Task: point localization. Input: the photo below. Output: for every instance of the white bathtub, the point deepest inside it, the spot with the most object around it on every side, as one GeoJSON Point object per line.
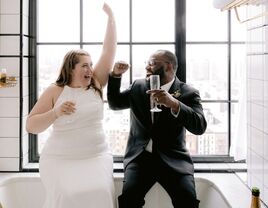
{"type": "Point", "coordinates": [24, 190]}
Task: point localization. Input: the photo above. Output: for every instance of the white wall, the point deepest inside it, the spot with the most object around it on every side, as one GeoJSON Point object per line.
{"type": "Point", "coordinates": [13, 103]}
{"type": "Point", "coordinates": [257, 100]}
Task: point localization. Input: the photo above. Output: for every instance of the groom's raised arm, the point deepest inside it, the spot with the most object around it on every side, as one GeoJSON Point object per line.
{"type": "Point", "coordinates": [117, 100]}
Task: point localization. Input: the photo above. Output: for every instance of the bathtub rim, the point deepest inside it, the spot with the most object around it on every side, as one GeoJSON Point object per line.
{"type": "Point", "coordinates": [217, 181]}
{"type": "Point", "coordinates": [215, 187]}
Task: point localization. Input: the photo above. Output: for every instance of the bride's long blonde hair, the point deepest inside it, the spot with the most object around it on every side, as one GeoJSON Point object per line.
{"type": "Point", "coordinates": [69, 62]}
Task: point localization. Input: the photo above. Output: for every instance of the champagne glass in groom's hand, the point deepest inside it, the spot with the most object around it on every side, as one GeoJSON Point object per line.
{"type": "Point", "coordinates": [155, 85]}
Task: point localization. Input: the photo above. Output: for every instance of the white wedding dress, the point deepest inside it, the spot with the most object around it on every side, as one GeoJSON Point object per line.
{"type": "Point", "coordinates": [76, 166]}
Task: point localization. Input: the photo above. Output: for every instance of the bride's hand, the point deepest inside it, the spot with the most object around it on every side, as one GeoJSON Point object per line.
{"type": "Point", "coordinates": [107, 9]}
{"type": "Point", "coordinates": [66, 108]}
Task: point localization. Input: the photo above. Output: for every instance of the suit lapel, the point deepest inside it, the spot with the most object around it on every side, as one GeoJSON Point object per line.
{"type": "Point", "coordinates": [175, 87]}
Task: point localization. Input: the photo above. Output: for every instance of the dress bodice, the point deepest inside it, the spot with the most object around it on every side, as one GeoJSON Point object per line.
{"type": "Point", "coordinates": [81, 133]}
{"type": "Point", "coordinates": [89, 109]}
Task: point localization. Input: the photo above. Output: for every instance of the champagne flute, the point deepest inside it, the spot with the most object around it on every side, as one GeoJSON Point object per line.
{"type": "Point", "coordinates": [155, 85]}
{"type": "Point", "coordinates": [72, 97]}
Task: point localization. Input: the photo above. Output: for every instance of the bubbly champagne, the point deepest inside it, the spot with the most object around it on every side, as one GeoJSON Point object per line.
{"type": "Point", "coordinates": [154, 82]}
{"type": "Point", "coordinates": [155, 85]}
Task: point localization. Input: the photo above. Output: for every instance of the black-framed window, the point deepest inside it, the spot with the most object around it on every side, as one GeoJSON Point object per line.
{"type": "Point", "coordinates": [206, 49]}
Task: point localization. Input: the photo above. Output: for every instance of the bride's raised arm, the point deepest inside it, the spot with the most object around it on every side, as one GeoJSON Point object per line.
{"type": "Point", "coordinates": [106, 60]}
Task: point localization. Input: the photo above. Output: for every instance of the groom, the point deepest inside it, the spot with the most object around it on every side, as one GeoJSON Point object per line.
{"type": "Point", "coordinates": [156, 150]}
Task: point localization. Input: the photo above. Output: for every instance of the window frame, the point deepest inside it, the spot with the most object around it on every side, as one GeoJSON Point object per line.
{"type": "Point", "coordinates": [180, 51]}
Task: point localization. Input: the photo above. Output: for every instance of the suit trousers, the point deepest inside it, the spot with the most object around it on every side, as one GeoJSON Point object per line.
{"type": "Point", "coordinates": [147, 169]}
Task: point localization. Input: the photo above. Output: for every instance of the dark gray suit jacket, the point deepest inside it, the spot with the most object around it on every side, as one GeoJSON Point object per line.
{"type": "Point", "coordinates": [167, 131]}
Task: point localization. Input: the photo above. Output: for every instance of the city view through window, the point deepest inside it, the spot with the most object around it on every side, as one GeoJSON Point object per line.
{"type": "Point", "coordinates": [208, 53]}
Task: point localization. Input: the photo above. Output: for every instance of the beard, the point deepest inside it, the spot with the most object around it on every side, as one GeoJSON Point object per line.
{"type": "Point", "coordinates": [160, 70]}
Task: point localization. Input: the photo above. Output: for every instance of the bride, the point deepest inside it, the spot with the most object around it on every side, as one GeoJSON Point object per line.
{"type": "Point", "coordinates": [76, 166]}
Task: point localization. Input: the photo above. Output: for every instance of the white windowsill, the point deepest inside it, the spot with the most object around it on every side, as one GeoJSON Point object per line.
{"type": "Point", "coordinates": [209, 167]}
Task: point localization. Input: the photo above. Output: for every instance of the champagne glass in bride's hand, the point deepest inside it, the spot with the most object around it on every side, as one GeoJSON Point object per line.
{"type": "Point", "coordinates": [71, 97]}
{"type": "Point", "coordinates": [155, 85]}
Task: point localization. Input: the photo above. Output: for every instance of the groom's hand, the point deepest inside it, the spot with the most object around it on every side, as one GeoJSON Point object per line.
{"type": "Point", "coordinates": [162, 97]}
{"type": "Point", "coordinates": [120, 67]}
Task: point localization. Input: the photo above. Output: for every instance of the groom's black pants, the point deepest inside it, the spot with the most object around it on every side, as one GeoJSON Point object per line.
{"type": "Point", "coordinates": [142, 173]}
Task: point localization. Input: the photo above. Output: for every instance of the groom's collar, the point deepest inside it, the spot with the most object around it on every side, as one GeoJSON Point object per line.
{"type": "Point", "coordinates": [167, 86]}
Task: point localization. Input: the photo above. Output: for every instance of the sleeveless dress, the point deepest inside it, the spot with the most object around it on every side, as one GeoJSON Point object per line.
{"type": "Point", "coordinates": [76, 166]}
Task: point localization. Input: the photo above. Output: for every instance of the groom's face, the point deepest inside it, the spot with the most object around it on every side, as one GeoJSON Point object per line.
{"type": "Point", "coordinates": [156, 65]}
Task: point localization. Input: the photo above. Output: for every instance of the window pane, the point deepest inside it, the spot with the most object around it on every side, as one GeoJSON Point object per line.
{"type": "Point", "coordinates": [122, 54]}
{"type": "Point", "coordinates": [207, 70]}
{"type": "Point", "coordinates": [238, 128]}
{"type": "Point", "coordinates": [95, 19]}
{"type": "Point", "coordinates": [204, 22]}
{"type": "Point", "coordinates": [141, 53]}
{"type": "Point", "coordinates": [238, 29]}
{"type": "Point", "coordinates": [215, 140]}
{"type": "Point", "coordinates": [50, 59]}
{"type": "Point", "coordinates": [116, 124]}
{"type": "Point", "coordinates": [58, 21]}
{"type": "Point", "coordinates": [234, 118]}
{"type": "Point", "coordinates": [153, 20]}
{"type": "Point", "coordinates": [238, 76]}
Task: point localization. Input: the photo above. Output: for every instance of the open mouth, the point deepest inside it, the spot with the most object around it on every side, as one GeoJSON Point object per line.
{"type": "Point", "coordinates": [87, 77]}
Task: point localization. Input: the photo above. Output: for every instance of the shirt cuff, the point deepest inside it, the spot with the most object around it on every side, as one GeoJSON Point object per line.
{"type": "Point", "coordinates": [115, 75]}
{"type": "Point", "coordinates": [175, 114]}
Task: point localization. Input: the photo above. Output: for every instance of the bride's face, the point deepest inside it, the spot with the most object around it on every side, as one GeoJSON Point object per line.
{"type": "Point", "coordinates": [82, 73]}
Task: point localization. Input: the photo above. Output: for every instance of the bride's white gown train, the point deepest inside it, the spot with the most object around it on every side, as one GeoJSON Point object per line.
{"type": "Point", "coordinates": [75, 164]}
